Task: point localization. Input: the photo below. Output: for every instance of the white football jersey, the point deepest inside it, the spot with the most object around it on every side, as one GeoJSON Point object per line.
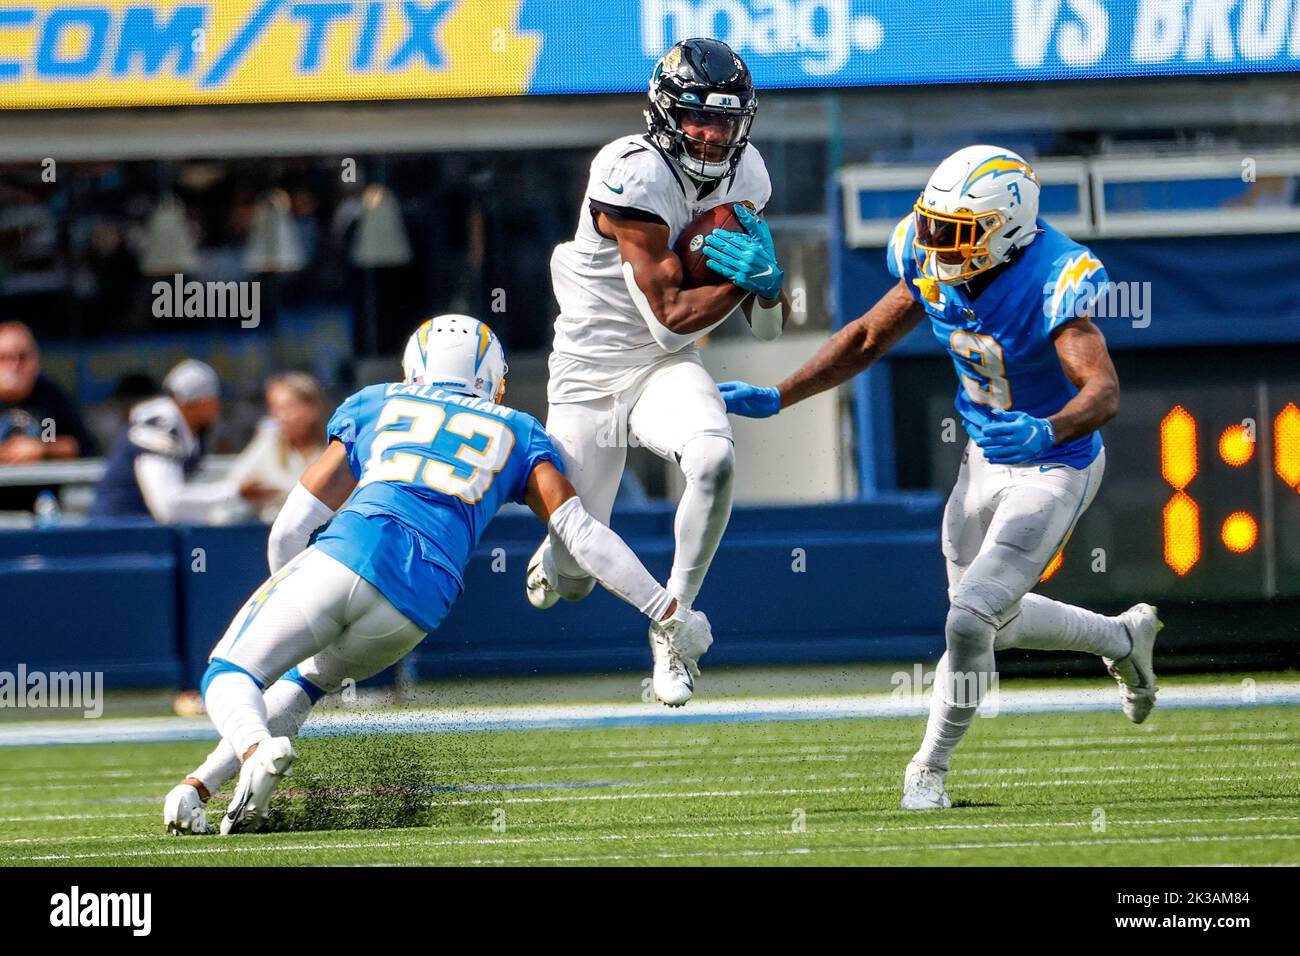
{"type": "Point", "coordinates": [598, 323]}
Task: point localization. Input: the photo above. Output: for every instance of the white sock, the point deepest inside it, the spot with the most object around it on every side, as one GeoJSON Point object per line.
{"type": "Point", "coordinates": [1048, 625]}
{"type": "Point", "coordinates": [702, 515]}
{"type": "Point", "coordinates": [287, 707]}
{"type": "Point", "coordinates": [947, 723]}
{"type": "Point", "coordinates": [235, 704]}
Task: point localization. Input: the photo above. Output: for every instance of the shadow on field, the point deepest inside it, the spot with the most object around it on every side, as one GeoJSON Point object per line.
{"type": "Point", "coordinates": [383, 781]}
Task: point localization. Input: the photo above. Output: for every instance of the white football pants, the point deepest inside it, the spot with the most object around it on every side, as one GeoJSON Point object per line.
{"type": "Point", "coordinates": [675, 410]}
{"type": "Point", "coordinates": [1002, 526]}
{"type": "Point", "coordinates": [317, 614]}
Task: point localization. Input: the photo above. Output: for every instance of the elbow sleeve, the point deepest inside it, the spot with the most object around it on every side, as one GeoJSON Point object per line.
{"type": "Point", "coordinates": [766, 322]}
{"type": "Point", "coordinates": [668, 340]}
{"type": "Point", "coordinates": [608, 559]}
{"type": "Point", "coordinates": [301, 515]}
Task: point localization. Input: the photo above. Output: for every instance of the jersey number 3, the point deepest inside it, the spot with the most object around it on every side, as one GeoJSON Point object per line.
{"type": "Point", "coordinates": [984, 357]}
{"type": "Point", "coordinates": [423, 423]}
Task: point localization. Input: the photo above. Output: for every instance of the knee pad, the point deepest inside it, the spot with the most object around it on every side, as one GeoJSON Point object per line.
{"type": "Point", "coordinates": [969, 635]}
{"type": "Point", "coordinates": [709, 461]}
{"type": "Point", "coordinates": [970, 657]}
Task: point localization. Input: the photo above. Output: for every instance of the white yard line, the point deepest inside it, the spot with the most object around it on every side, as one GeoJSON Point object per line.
{"type": "Point", "coordinates": [868, 848]}
{"type": "Point", "coordinates": [214, 847]}
{"type": "Point", "coordinates": [493, 794]}
{"type": "Point", "coordinates": [433, 775]}
{"type": "Point", "coordinates": [715, 834]}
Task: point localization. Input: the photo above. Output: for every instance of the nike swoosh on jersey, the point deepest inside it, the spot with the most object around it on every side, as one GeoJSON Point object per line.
{"type": "Point", "coordinates": [619, 190]}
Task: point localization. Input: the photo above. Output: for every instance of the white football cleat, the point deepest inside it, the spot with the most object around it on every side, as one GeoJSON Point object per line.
{"type": "Point", "coordinates": [923, 788]}
{"type": "Point", "coordinates": [262, 772]}
{"type": "Point", "coordinates": [540, 593]}
{"type": "Point", "coordinates": [677, 644]}
{"type": "Point", "coordinates": [184, 813]}
{"type": "Point", "coordinates": [1136, 673]}
{"type": "Point", "coordinates": [691, 635]}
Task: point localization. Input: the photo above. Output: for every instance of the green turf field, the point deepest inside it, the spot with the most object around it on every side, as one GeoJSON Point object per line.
{"type": "Point", "coordinates": [1195, 786]}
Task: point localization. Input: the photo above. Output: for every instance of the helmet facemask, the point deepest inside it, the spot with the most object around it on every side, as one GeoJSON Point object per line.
{"type": "Point", "coordinates": [955, 245]}
{"type": "Point", "coordinates": [706, 141]}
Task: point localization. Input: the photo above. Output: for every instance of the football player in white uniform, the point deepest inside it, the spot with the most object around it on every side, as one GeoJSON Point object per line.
{"type": "Point", "coordinates": [1009, 297]}
{"type": "Point", "coordinates": [625, 366]}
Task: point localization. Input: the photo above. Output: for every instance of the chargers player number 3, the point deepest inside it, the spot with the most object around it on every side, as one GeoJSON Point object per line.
{"type": "Point", "coordinates": [983, 354]}
{"type": "Point", "coordinates": [424, 422]}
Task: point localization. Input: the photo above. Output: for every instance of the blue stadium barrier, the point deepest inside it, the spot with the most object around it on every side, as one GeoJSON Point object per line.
{"type": "Point", "coordinates": [871, 588]}
{"type": "Point", "coordinates": [825, 583]}
{"type": "Point", "coordinates": [91, 599]}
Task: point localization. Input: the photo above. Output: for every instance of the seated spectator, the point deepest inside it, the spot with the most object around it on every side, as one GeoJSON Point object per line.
{"type": "Point", "coordinates": [109, 418]}
{"type": "Point", "coordinates": [150, 471]}
{"type": "Point", "coordinates": [289, 439]}
{"type": "Point", "coordinates": [38, 422]}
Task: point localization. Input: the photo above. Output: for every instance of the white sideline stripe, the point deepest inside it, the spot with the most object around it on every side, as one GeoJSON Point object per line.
{"type": "Point", "coordinates": [1009, 702]}
{"type": "Point", "coordinates": [514, 841]}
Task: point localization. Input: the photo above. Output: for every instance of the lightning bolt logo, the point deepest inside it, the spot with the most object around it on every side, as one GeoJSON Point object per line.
{"type": "Point", "coordinates": [997, 166]}
{"type": "Point", "coordinates": [1075, 271]}
{"type": "Point", "coordinates": [258, 600]}
{"type": "Point", "coordinates": [484, 341]}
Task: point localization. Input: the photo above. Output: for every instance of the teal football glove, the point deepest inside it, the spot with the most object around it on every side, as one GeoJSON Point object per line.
{"type": "Point", "coordinates": [750, 401]}
{"type": "Point", "coordinates": [748, 259]}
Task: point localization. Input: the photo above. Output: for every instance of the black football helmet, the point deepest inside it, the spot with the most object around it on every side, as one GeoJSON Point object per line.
{"type": "Point", "coordinates": [702, 103]}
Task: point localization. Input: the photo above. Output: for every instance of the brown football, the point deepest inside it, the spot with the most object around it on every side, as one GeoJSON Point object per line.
{"type": "Point", "coordinates": [689, 246]}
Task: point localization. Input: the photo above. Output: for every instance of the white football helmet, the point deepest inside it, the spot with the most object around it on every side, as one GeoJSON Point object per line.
{"type": "Point", "coordinates": [980, 205]}
{"type": "Point", "coordinates": [458, 353]}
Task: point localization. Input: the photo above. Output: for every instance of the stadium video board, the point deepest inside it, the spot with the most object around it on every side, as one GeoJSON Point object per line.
{"type": "Point", "coordinates": [1201, 493]}
{"type": "Point", "coordinates": [58, 53]}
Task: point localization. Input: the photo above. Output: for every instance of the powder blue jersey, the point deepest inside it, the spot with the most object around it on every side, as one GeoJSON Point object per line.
{"type": "Point", "coordinates": [1001, 343]}
{"type": "Point", "coordinates": [433, 468]}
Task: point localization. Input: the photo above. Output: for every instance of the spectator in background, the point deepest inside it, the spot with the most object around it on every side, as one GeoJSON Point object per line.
{"type": "Point", "coordinates": [109, 419]}
{"type": "Point", "coordinates": [287, 441]}
{"type": "Point", "coordinates": [151, 468]}
{"type": "Point", "coordinates": [38, 421]}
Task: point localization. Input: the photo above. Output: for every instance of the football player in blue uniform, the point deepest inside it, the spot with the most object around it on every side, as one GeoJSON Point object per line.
{"type": "Point", "coordinates": [412, 474]}
{"type": "Point", "coordinates": [1009, 298]}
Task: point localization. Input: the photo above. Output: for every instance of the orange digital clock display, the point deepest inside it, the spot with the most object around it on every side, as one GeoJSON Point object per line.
{"type": "Point", "coordinates": [1180, 465]}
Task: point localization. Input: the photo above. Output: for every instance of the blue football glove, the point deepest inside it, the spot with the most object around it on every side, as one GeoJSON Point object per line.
{"type": "Point", "coordinates": [1015, 437]}
{"type": "Point", "coordinates": [748, 259]}
{"type": "Point", "coordinates": [751, 401]}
